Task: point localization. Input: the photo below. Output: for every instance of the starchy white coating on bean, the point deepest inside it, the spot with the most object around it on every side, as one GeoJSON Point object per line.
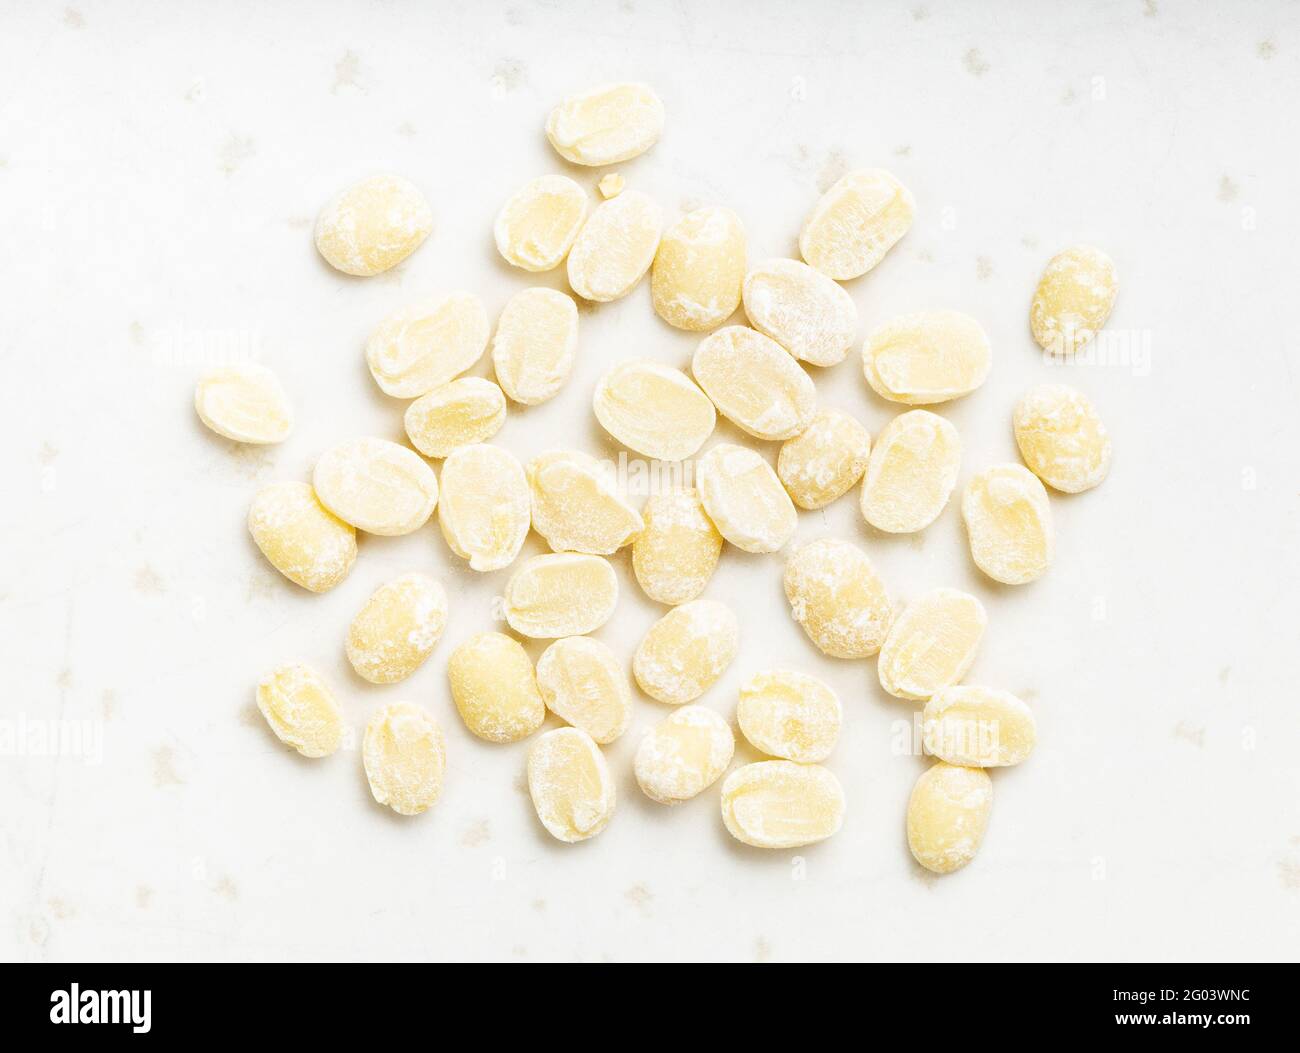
{"type": "Point", "coordinates": [484, 507]}
{"type": "Point", "coordinates": [570, 784]}
{"type": "Point", "coordinates": [537, 226]}
{"type": "Point", "coordinates": [466, 411]}
{"type": "Point", "coordinates": [300, 537]}
{"type": "Point", "coordinates": [931, 644]}
{"type": "Point", "coordinates": [405, 758]}
{"type": "Point", "coordinates": [911, 473]}
{"type": "Point", "coordinates": [654, 410]}
{"type": "Point", "coordinates": [856, 222]}
{"type": "Point", "coordinates": [1073, 299]}
{"type": "Point", "coordinates": [615, 247]}
{"type": "Point", "coordinates": [495, 689]}
{"type": "Point", "coordinates": [577, 506]}
{"type": "Point", "coordinates": [425, 344]}
{"type": "Point", "coordinates": [565, 594]}
{"type": "Point", "coordinates": [824, 460]}
{"type": "Point", "coordinates": [684, 652]}
{"type": "Point", "coordinates": [838, 598]}
{"type": "Point", "coordinates": [802, 310]}
{"type": "Point", "coordinates": [947, 815]}
{"type": "Point", "coordinates": [1062, 438]}
{"type": "Point", "coordinates": [754, 383]}
{"type": "Point", "coordinates": [683, 754]}
{"type": "Point", "coordinates": [245, 402]}
{"type": "Point", "coordinates": [301, 710]}
{"type": "Point", "coordinates": [397, 629]}
{"type": "Point", "coordinates": [780, 804]}
{"type": "Point", "coordinates": [535, 344]}
{"type": "Point", "coordinates": [606, 124]}
{"type": "Point", "coordinates": [584, 683]}
{"type": "Point", "coordinates": [699, 268]}
{"type": "Point", "coordinates": [745, 499]}
{"type": "Point", "coordinates": [674, 557]}
{"type": "Point", "coordinates": [1009, 524]}
{"type": "Point", "coordinates": [373, 225]}
{"type": "Point", "coordinates": [927, 357]}
{"type": "Point", "coordinates": [376, 485]}
{"type": "Point", "coordinates": [979, 727]}
{"type": "Point", "coordinates": [789, 715]}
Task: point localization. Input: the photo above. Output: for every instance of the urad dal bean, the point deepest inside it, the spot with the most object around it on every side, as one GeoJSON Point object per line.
{"type": "Point", "coordinates": [606, 124]}
{"type": "Point", "coordinates": [838, 598]}
{"type": "Point", "coordinates": [927, 357]}
{"type": "Point", "coordinates": [654, 410]}
{"type": "Point", "coordinates": [684, 754]}
{"type": "Point", "coordinates": [565, 594]}
{"type": "Point", "coordinates": [674, 557]}
{"type": "Point", "coordinates": [947, 815]}
{"type": "Point", "coordinates": [570, 784]}
{"type": "Point", "coordinates": [1061, 438]}
{"type": "Point", "coordinates": [427, 343]}
{"type": "Point", "coordinates": [856, 222]}
{"type": "Point", "coordinates": [301, 710]}
{"type": "Point", "coordinates": [615, 247]}
{"type": "Point", "coordinates": [698, 269]}
{"type": "Point", "coordinates": [376, 485]}
{"type": "Point", "coordinates": [577, 506]}
{"type": "Point", "coordinates": [825, 460]}
{"type": "Point", "coordinates": [745, 499]}
{"type": "Point", "coordinates": [911, 473]}
{"type": "Point", "coordinates": [484, 507]}
{"type": "Point", "coordinates": [802, 310]}
{"type": "Point", "coordinates": [1009, 524]}
{"type": "Point", "coordinates": [373, 225]}
{"type": "Point", "coordinates": [789, 715]}
{"type": "Point", "coordinates": [397, 629]}
{"type": "Point", "coordinates": [466, 411]}
{"type": "Point", "coordinates": [405, 757]}
{"type": "Point", "coordinates": [684, 652]}
{"type": "Point", "coordinates": [495, 689]}
{"type": "Point", "coordinates": [754, 383]}
{"type": "Point", "coordinates": [535, 343]}
{"type": "Point", "coordinates": [1073, 299]}
{"type": "Point", "coordinates": [584, 683]}
{"type": "Point", "coordinates": [931, 644]}
{"type": "Point", "coordinates": [537, 226]}
{"type": "Point", "coordinates": [300, 537]}
{"type": "Point", "coordinates": [780, 804]}
{"type": "Point", "coordinates": [978, 727]}
{"type": "Point", "coordinates": [245, 402]}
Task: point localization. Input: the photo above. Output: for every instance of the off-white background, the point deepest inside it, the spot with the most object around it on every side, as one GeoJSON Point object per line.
{"type": "Point", "coordinates": [160, 169]}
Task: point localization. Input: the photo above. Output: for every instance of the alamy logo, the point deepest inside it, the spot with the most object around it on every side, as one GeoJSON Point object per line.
{"type": "Point", "coordinates": [101, 1007]}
